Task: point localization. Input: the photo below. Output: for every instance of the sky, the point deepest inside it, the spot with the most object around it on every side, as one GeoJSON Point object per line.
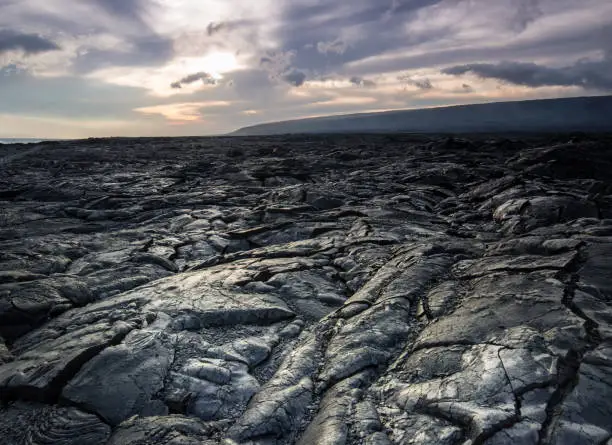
{"type": "Point", "coordinates": [92, 68]}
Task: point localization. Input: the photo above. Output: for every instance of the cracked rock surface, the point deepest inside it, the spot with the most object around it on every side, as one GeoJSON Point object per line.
{"type": "Point", "coordinates": [334, 290]}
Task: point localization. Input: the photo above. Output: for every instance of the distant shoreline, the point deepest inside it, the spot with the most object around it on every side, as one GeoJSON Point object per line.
{"type": "Point", "coordinates": [22, 140]}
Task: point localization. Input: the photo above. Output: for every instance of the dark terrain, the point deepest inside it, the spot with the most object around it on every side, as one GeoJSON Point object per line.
{"type": "Point", "coordinates": [328, 290]}
{"type": "Point", "coordinates": [590, 114]}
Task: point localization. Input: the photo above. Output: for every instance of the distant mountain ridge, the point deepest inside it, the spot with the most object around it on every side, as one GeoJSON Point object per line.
{"type": "Point", "coordinates": [545, 115]}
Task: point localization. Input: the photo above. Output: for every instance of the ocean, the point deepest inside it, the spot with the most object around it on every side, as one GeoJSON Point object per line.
{"type": "Point", "coordinates": [19, 141]}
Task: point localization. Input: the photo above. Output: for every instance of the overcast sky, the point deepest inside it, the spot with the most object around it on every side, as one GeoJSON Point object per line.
{"type": "Point", "coordinates": [79, 68]}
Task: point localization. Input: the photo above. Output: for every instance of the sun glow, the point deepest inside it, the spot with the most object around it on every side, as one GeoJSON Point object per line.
{"type": "Point", "coordinates": [215, 64]}
{"type": "Point", "coordinates": [183, 112]}
{"type": "Point", "coordinates": [159, 80]}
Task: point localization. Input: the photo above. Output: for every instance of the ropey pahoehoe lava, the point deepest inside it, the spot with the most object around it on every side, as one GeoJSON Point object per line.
{"type": "Point", "coordinates": [339, 289]}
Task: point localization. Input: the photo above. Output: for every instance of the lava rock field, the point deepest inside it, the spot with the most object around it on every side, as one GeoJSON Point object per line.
{"type": "Point", "coordinates": [310, 290]}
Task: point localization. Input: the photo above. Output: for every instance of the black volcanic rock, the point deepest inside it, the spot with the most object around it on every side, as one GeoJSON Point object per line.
{"type": "Point", "coordinates": [369, 290]}
{"type": "Point", "coordinates": [25, 423]}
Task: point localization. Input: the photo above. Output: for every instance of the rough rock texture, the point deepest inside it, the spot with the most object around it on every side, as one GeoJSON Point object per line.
{"type": "Point", "coordinates": [370, 290]}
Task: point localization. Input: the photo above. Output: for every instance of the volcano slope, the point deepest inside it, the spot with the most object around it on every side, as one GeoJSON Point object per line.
{"type": "Point", "coordinates": [328, 290]}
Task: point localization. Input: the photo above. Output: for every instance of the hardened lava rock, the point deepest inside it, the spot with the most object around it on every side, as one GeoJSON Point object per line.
{"type": "Point", "coordinates": [333, 290]}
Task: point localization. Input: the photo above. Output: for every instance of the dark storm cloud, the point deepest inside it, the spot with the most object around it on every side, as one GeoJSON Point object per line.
{"type": "Point", "coordinates": [570, 41]}
{"type": "Point", "coordinates": [279, 66]}
{"type": "Point", "coordinates": [294, 77]}
{"type": "Point", "coordinates": [28, 43]}
{"type": "Point", "coordinates": [314, 30]}
{"type": "Point", "coordinates": [143, 46]}
{"type": "Point", "coordinates": [206, 79]}
{"type": "Point", "coordinates": [126, 20]}
{"type": "Point", "coordinates": [329, 16]}
{"type": "Point", "coordinates": [421, 84]}
{"type": "Point", "coordinates": [320, 33]}
{"type": "Point", "coordinates": [585, 74]}
{"type": "Point", "coordinates": [360, 81]}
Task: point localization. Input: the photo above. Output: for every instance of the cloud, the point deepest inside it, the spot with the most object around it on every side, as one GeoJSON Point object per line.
{"type": "Point", "coordinates": [421, 84]}
{"type": "Point", "coordinates": [277, 61]}
{"type": "Point", "coordinates": [86, 35]}
{"type": "Point", "coordinates": [360, 81]}
{"type": "Point", "coordinates": [279, 65]}
{"type": "Point", "coordinates": [206, 79]}
{"type": "Point", "coordinates": [348, 31]}
{"type": "Point", "coordinates": [468, 31]}
{"type": "Point", "coordinates": [424, 84]}
{"type": "Point", "coordinates": [586, 74]}
{"type": "Point", "coordinates": [288, 58]}
{"type": "Point", "coordinates": [294, 77]}
{"type": "Point", "coordinates": [214, 28]}
{"type": "Point", "coordinates": [132, 9]}
{"type": "Point", "coordinates": [336, 47]}
{"type": "Point", "coordinates": [527, 12]}
{"type": "Point", "coordinates": [28, 43]}
{"type": "Point", "coordinates": [388, 15]}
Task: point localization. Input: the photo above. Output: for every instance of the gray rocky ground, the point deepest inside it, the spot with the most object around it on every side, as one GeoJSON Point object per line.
{"type": "Point", "coordinates": [369, 290]}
